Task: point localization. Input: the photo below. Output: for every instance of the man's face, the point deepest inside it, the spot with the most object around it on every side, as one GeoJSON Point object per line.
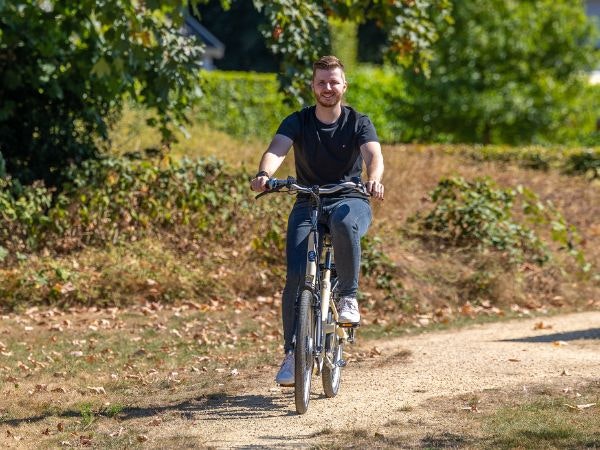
{"type": "Point", "coordinates": [329, 86]}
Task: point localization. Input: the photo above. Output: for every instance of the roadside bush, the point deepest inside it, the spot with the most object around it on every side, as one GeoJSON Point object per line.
{"type": "Point", "coordinates": [115, 200]}
{"type": "Point", "coordinates": [478, 214]}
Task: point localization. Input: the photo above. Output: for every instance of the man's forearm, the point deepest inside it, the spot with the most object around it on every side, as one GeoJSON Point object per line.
{"type": "Point", "coordinates": [270, 163]}
{"type": "Point", "coordinates": [375, 168]}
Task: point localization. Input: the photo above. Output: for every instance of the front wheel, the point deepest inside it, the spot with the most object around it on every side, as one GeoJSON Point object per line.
{"type": "Point", "coordinates": [304, 351]}
{"type": "Point", "coordinates": [332, 376]}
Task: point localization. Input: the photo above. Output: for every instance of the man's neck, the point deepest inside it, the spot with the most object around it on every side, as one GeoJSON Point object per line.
{"type": "Point", "coordinates": [328, 115]}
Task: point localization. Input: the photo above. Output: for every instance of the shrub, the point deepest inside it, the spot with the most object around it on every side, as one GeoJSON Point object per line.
{"type": "Point", "coordinates": [115, 200]}
{"type": "Point", "coordinates": [242, 104]}
{"type": "Point", "coordinates": [508, 72]}
{"type": "Point", "coordinates": [249, 104]}
{"type": "Point", "coordinates": [478, 214]}
{"type": "Point", "coordinates": [65, 68]}
{"type": "Point", "coordinates": [381, 94]}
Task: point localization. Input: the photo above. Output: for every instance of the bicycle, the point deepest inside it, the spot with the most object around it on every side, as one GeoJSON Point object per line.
{"type": "Point", "coordinates": [319, 337]}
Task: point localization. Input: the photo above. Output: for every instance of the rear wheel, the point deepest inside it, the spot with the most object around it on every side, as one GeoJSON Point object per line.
{"type": "Point", "coordinates": [332, 376]}
{"type": "Point", "coordinates": [304, 351]}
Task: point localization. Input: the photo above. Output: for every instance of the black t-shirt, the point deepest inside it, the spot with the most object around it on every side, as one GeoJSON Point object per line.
{"type": "Point", "coordinates": [328, 153]}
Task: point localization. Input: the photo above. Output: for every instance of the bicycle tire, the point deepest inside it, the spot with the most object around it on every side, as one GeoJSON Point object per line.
{"type": "Point", "coordinates": [332, 377]}
{"type": "Point", "coordinates": [303, 358]}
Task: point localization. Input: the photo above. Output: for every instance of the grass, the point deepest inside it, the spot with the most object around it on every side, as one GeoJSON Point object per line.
{"type": "Point", "coordinates": [84, 373]}
{"type": "Point", "coordinates": [157, 325]}
{"type": "Point", "coordinates": [545, 418]}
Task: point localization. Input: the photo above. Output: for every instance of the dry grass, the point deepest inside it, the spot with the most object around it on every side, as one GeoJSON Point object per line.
{"type": "Point", "coordinates": [539, 417]}
{"type": "Point", "coordinates": [152, 359]}
{"type": "Point", "coordinates": [79, 375]}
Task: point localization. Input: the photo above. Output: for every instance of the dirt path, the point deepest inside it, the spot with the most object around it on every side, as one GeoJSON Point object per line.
{"type": "Point", "coordinates": [410, 371]}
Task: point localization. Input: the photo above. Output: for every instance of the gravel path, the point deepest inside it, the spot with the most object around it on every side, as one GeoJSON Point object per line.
{"type": "Point", "coordinates": [410, 371]}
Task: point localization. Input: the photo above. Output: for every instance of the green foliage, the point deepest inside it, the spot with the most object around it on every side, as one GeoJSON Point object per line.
{"type": "Point", "coordinates": [248, 104]}
{"type": "Point", "coordinates": [478, 214]}
{"type": "Point", "coordinates": [118, 200]}
{"type": "Point", "coordinates": [585, 162]}
{"type": "Point", "coordinates": [87, 415]}
{"type": "Point", "coordinates": [251, 105]}
{"type": "Point", "coordinates": [376, 264]}
{"type": "Point", "coordinates": [508, 72]}
{"type": "Point", "coordinates": [298, 32]}
{"type": "Point", "coordinates": [65, 68]}
{"type": "Point", "coordinates": [344, 42]}
{"type": "Point", "coordinates": [381, 94]}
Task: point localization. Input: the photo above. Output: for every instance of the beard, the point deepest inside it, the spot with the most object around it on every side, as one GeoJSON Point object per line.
{"type": "Point", "coordinates": [328, 102]}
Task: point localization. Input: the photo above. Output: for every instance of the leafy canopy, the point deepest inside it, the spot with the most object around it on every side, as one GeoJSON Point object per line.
{"type": "Point", "coordinates": [67, 67]}
{"type": "Point", "coordinates": [298, 30]}
{"type": "Point", "coordinates": [508, 71]}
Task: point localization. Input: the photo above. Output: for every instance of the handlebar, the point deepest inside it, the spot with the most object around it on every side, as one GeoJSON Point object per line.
{"type": "Point", "coordinates": [290, 185]}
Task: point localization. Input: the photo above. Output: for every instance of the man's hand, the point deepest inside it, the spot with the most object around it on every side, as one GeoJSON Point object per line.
{"type": "Point", "coordinates": [375, 188]}
{"type": "Point", "coordinates": [258, 184]}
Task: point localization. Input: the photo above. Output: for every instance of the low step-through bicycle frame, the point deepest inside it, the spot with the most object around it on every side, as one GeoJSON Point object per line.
{"type": "Point", "coordinates": [322, 288]}
{"type": "Point", "coordinates": [322, 338]}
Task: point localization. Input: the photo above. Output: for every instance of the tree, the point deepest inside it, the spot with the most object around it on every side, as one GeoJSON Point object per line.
{"type": "Point", "coordinates": [66, 68]}
{"type": "Point", "coordinates": [507, 71]}
{"type": "Point", "coordinates": [298, 31]}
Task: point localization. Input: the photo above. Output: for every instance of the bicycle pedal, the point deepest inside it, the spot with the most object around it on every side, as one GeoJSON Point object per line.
{"type": "Point", "coordinates": [348, 324]}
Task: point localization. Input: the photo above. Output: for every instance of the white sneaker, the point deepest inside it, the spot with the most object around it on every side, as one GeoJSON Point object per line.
{"type": "Point", "coordinates": [348, 310]}
{"type": "Point", "coordinates": [285, 376]}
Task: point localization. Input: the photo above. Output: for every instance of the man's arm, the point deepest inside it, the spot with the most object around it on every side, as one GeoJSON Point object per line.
{"type": "Point", "coordinates": [371, 153]}
{"type": "Point", "coordinates": [271, 160]}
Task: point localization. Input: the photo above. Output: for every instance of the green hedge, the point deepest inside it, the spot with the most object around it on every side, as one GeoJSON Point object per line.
{"type": "Point", "coordinates": [246, 104]}
{"type": "Point", "coordinates": [380, 93]}
{"type": "Point", "coordinates": [242, 104]}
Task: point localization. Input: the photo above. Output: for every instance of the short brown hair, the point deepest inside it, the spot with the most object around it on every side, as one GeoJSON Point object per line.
{"type": "Point", "coordinates": [327, 63]}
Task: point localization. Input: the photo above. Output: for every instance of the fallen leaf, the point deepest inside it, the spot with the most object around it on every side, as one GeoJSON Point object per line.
{"type": "Point", "coordinates": [586, 406]}
{"type": "Point", "coordinates": [514, 360]}
{"type": "Point", "coordinates": [541, 326]}
{"type": "Point", "coordinates": [559, 343]}
{"type": "Point", "coordinates": [155, 422]}
{"type": "Point", "coordinates": [96, 389]}
{"type": "Point", "coordinates": [375, 351]}
{"type": "Point", "coordinates": [142, 438]}
{"type": "Point", "coordinates": [117, 433]}
{"type": "Point", "coordinates": [60, 426]}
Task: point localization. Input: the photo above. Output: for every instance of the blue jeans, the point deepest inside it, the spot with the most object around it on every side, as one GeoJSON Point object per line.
{"type": "Point", "coordinates": [348, 219]}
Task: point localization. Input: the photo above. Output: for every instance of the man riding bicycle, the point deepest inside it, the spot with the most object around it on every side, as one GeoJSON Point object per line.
{"type": "Point", "coordinates": [330, 142]}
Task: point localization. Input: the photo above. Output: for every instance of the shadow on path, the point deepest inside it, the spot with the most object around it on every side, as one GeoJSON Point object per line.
{"type": "Point", "coordinates": [592, 333]}
{"type": "Point", "coordinates": [219, 406]}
